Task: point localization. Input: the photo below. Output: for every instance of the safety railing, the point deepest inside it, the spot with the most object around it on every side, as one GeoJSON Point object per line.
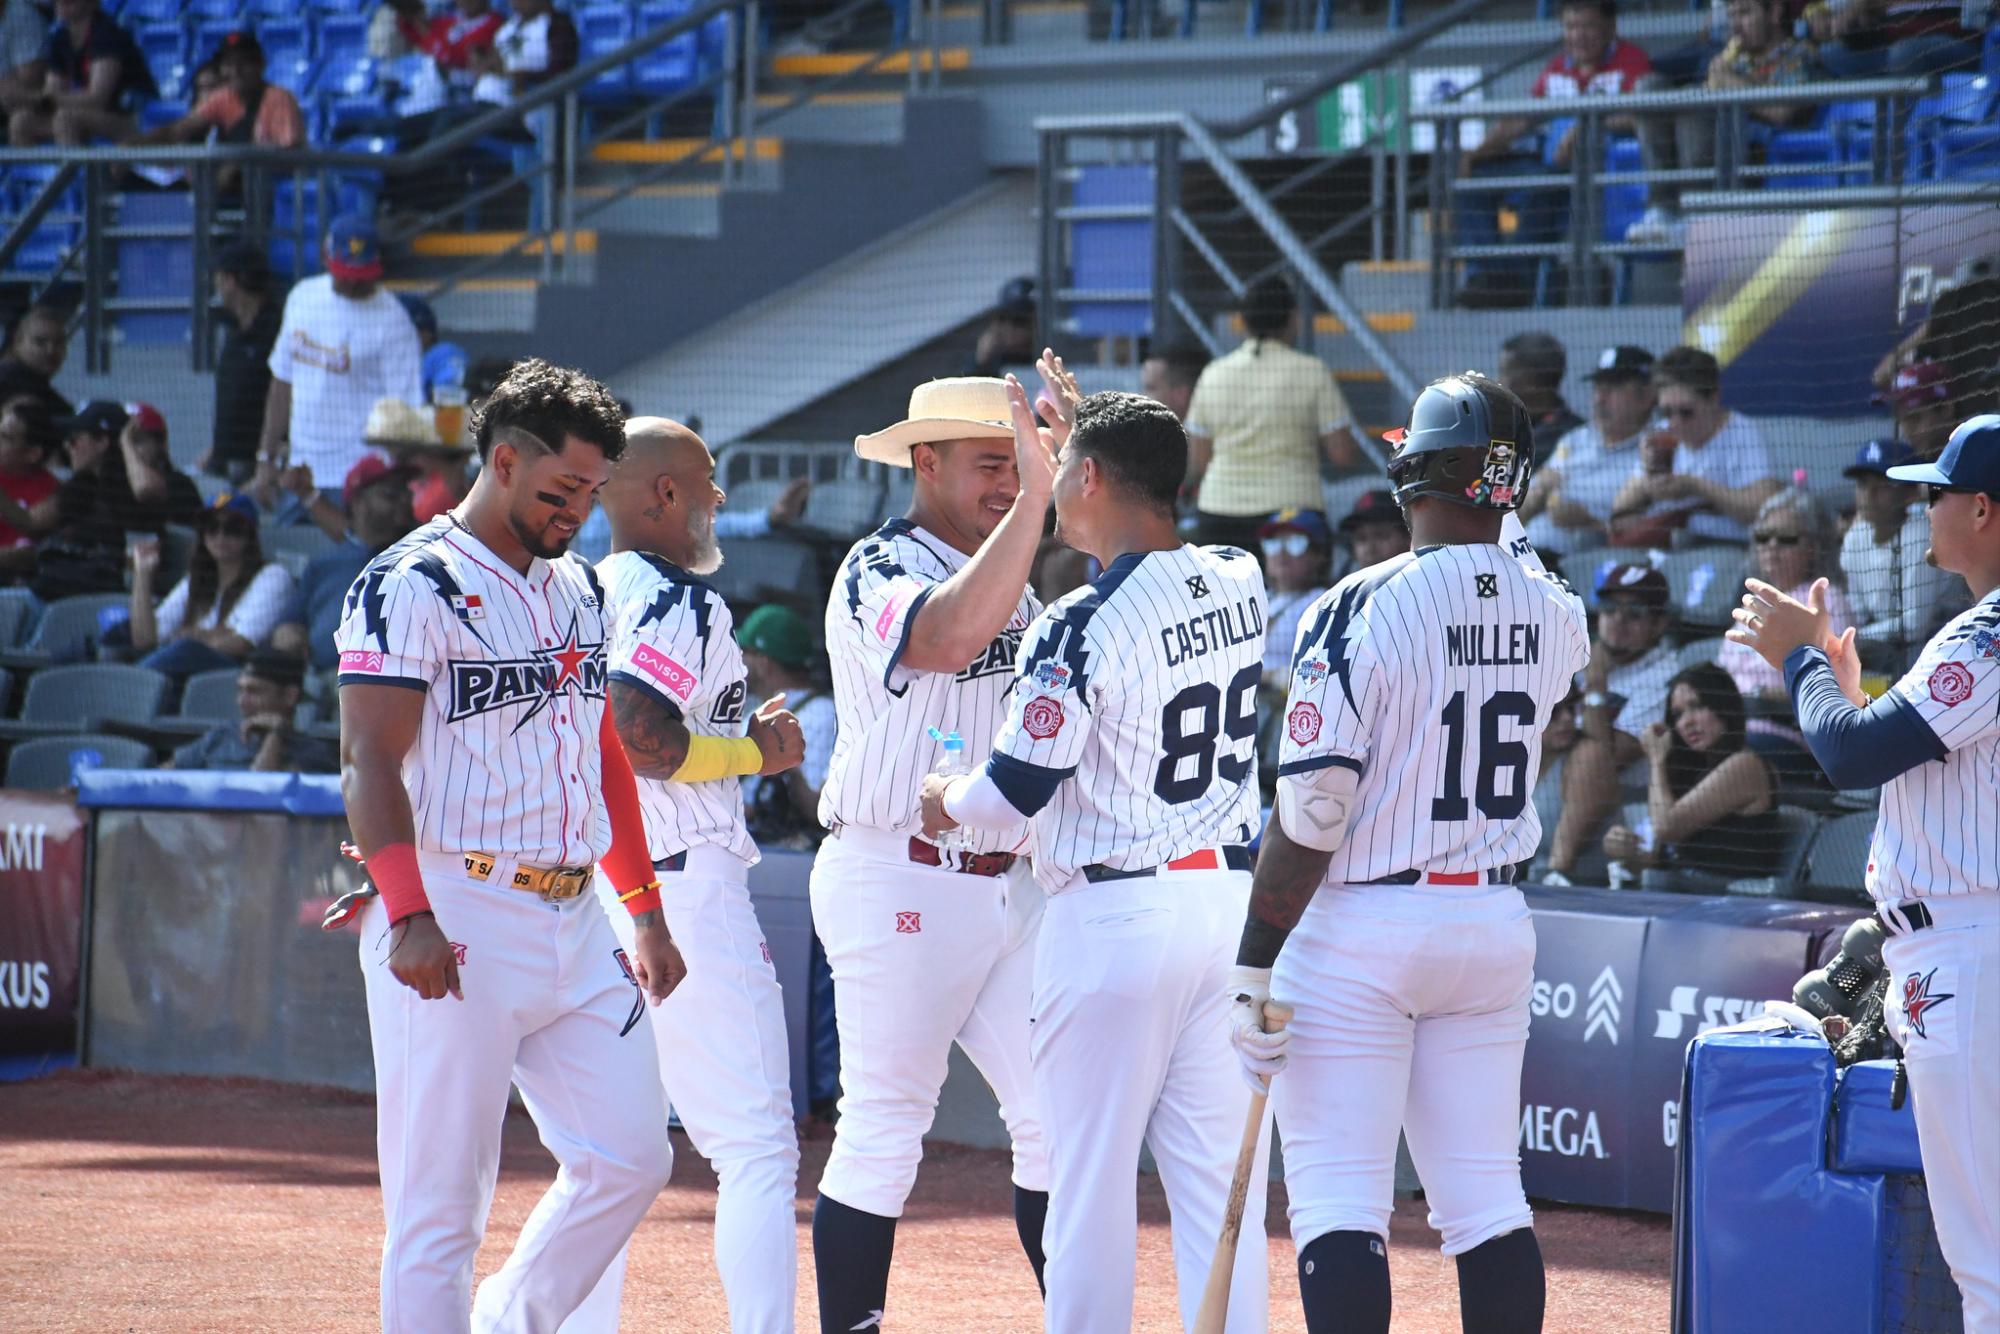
{"type": "Point", "coordinates": [1583, 181]}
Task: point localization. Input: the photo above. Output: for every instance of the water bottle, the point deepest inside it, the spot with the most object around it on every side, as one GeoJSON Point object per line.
{"type": "Point", "coordinates": [952, 765]}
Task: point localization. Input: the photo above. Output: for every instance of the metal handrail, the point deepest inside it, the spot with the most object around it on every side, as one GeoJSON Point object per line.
{"type": "Point", "coordinates": [1686, 99]}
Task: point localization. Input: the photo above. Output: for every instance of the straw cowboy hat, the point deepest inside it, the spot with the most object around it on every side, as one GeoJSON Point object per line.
{"type": "Point", "coordinates": [392, 422]}
{"type": "Point", "coordinates": [965, 408]}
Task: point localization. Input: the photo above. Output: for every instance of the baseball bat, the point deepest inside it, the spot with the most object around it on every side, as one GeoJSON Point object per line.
{"type": "Point", "coordinates": [1214, 1311]}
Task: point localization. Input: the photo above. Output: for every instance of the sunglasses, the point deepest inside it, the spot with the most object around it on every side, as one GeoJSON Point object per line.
{"type": "Point", "coordinates": [1765, 538]}
{"type": "Point", "coordinates": [1933, 493]}
{"type": "Point", "coordinates": [1287, 544]}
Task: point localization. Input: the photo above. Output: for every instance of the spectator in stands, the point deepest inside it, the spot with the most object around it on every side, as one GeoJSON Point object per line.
{"type": "Point", "coordinates": [778, 647]}
{"type": "Point", "coordinates": [242, 282]}
{"type": "Point", "coordinates": [344, 344]}
{"type": "Point", "coordinates": [122, 482]}
{"type": "Point", "coordinates": [536, 43]}
{"type": "Point", "coordinates": [246, 109]}
{"type": "Point", "coordinates": [227, 604]}
{"type": "Point", "coordinates": [1711, 800]}
{"type": "Point", "coordinates": [1008, 338]}
{"type": "Point", "coordinates": [1558, 739]}
{"type": "Point", "coordinates": [1259, 422]}
{"type": "Point", "coordinates": [1297, 551]}
{"type": "Point", "coordinates": [1374, 530]}
{"type": "Point", "coordinates": [1532, 365]}
{"type": "Point", "coordinates": [1762, 53]}
{"type": "Point", "coordinates": [24, 27]}
{"type": "Point", "coordinates": [1898, 597]}
{"type": "Point", "coordinates": [1625, 692]}
{"type": "Point", "coordinates": [28, 438]}
{"type": "Point", "coordinates": [1868, 38]}
{"type": "Point", "coordinates": [1702, 469]}
{"type": "Point", "coordinates": [265, 738]}
{"type": "Point", "coordinates": [1962, 330]}
{"type": "Point", "coordinates": [37, 346]}
{"type": "Point", "coordinates": [386, 40]}
{"type": "Point", "coordinates": [444, 363]}
{"type": "Point", "coordinates": [377, 495]}
{"type": "Point", "coordinates": [88, 82]}
{"type": "Point", "coordinates": [1926, 408]}
{"type": "Point", "coordinates": [451, 40]}
{"type": "Point", "coordinates": [1170, 373]}
{"type": "Point", "coordinates": [1592, 62]}
{"type": "Point", "coordinates": [1569, 507]}
{"type": "Point", "coordinates": [1794, 545]}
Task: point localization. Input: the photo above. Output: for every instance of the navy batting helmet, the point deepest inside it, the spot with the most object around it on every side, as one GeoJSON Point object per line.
{"type": "Point", "coordinates": [1469, 441]}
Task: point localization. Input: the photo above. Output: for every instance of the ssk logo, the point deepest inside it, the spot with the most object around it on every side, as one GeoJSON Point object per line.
{"type": "Point", "coordinates": [1708, 1012]}
{"type": "Point", "coordinates": [1561, 1130]}
{"type": "Point", "coordinates": [569, 668]}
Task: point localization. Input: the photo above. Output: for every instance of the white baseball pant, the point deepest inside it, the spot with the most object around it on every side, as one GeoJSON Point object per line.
{"type": "Point", "coordinates": [545, 1000]}
{"type": "Point", "coordinates": [1131, 1045]}
{"type": "Point", "coordinates": [1948, 976]}
{"type": "Point", "coordinates": [921, 958]}
{"type": "Point", "coordinates": [1410, 1013]}
{"type": "Point", "coordinates": [727, 1072]}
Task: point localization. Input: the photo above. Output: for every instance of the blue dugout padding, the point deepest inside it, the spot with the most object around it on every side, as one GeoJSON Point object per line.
{"type": "Point", "coordinates": [1798, 1202]}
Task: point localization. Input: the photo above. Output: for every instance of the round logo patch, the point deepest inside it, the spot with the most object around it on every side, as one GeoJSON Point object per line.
{"type": "Point", "coordinates": [1042, 718]}
{"type": "Point", "coordinates": [1303, 724]}
{"type": "Point", "coordinates": [1951, 683]}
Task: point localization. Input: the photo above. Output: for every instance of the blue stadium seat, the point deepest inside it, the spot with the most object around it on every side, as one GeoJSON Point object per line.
{"type": "Point", "coordinates": [165, 47]}
{"type": "Point", "coordinates": [343, 37]}
{"type": "Point", "coordinates": [157, 113]}
{"type": "Point", "coordinates": [1989, 60]}
{"type": "Point", "coordinates": [673, 65]}
{"type": "Point", "coordinates": [339, 6]}
{"type": "Point", "coordinates": [341, 114]}
{"type": "Point", "coordinates": [156, 267]}
{"type": "Point", "coordinates": [1953, 133]}
{"type": "Point", "coordinates": [288, 51]}
{"type": "Point", "coordinates": [139, 12]}
{"type": "Point", "coordinates": [215, 11]}
{"type": "Point", "coordinates": [1624, 203]}
{"type": "Point", "coordinates": [1113, 254]}
{"type": "Point", "coordinates": [274, 9]}
{"type": "Point", "coordinates": [601, 29]}
{"type": "Point", "coordinates": [46, 245]}
{"type": "Point", "coordinates": [207, 39]}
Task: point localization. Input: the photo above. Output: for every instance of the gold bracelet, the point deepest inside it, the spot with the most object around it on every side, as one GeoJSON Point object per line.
{"type": "Point", "coordinates": [637, 890]}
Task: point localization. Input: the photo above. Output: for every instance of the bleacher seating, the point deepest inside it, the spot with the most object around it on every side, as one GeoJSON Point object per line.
{"type": "Point", "coordinates": [68, 626]}
{"type": "Point", "coordinates": [64, 699]}
{"type": "Point", "coordinates": [210, 696]}
{"type": "Point", "coordinates": [47, 763]}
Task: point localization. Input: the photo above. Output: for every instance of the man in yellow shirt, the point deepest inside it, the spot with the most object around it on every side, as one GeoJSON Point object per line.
{"type": "Point", "coordinates": [1260, 420]}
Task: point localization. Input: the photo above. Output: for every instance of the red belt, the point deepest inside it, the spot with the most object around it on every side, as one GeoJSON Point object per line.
{"type": "Point", "coordinates": [969, 863]}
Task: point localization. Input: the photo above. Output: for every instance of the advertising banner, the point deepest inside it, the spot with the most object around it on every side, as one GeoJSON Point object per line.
{"type": "Point", "coordinates": [41, 921]}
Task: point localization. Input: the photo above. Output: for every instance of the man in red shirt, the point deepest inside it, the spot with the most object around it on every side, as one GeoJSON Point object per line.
{"type": "Point", "coordinates": [28, 436]}
{"type": "Point", "coordinates": [1591, 62]}
{"type": "Point", "coordinates": [450, 39]}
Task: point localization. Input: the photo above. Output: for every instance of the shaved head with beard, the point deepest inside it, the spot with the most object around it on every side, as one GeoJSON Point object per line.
{"type": "Point", "coordinates": [662, 495]}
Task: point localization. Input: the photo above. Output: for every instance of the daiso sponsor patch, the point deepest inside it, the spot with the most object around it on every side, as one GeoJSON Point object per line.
{"type": "Point", "coordinates": [678, 680]}
{"type": "Point", "coordinates": [360, 660]}
{"type": "Point", "coordinates": [885, 624]}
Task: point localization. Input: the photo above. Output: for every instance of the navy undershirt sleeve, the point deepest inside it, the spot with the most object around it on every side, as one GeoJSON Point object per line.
{"type": "Point", "coordinates": [1027, 787]}
{"type": "Point", "coordinates": [1858, 748]}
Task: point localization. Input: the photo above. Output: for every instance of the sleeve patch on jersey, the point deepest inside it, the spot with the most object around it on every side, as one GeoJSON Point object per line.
{"type": "Point", "coordinates": [1051, 675]}
{"type": "Point", "coordinates": [1951, 684]}
{"type": "Point", "coordinates": [1302, 723]}
{"type": "Point", "coordinates": [885, 624]}
{"type": "Point", "coordinates": [1042, 718]}
{"type": "Point", "coordinates": [360, 660]}
{"type": "Point", "coordinates": [1313, 671]}
{"type": "Point", "coordinates": [678, 680]}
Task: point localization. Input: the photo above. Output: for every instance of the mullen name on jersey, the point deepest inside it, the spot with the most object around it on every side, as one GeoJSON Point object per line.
{"type": "Point", "coordinates": [1225, 627]}
{"type": "Point", "coordinates": [496, 683]}
{"type": "Point", "coordinates": [1492, 645]}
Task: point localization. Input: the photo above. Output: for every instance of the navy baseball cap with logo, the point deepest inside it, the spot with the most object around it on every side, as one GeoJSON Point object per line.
{"type": "Point", "coordinates": [1310, 522]}
{"type": "Point", "coordinates": [353, 248]}
{"type": "Point", "coordinates": [1970, 461]}
{"type": "Point", "coordinates": [1623, 362]}
{"type": "Point", "coordinates": [1877, 457]}
{"type": "Point", "coordinates": [1642, 583]}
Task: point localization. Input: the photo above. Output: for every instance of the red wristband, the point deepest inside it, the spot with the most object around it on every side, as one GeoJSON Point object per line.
{"type": "Point", "coordinates": [394, 872]}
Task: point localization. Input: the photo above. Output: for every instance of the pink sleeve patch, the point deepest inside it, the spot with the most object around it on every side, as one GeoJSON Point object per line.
{"type": "Point", "coordinates": [885, 624]}
{"type": "Point", "coordinates": [678, 680]}
{"type": "Point", "coordinates": [360, 660]}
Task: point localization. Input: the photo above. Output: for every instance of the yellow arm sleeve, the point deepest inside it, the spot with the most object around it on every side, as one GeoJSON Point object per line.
{"type": "Point", "coordinates": [713, 757]}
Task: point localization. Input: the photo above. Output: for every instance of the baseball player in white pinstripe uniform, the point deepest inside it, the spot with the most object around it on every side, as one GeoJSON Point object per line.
{"type": "Point", "coordinates": [1131, 741]}
{"type": "Point", "coordinates": [483, 784]}
{"type": "Point", "coordinates": [928, 945]}
{"type": "Point", "coordinates": [676, 674]}
{"type": "Point", "coordinates": [1932, 743]}
{"type": "Point", "coordinates": [1384, 894]}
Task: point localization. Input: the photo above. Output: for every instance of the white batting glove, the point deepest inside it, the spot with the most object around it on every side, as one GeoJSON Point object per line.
{"type": "Point", "coordinates": [1262, 1054]}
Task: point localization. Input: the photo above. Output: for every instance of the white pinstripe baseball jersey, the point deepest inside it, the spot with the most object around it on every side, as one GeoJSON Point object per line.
{"type": "Point", "coordinates": [512, 667]}
{"type": "Point", "coordinates": [672, 636]}
{"type": "Point", "coordinates": [340, 356]}
{"type": "Point", "coordinates": [883, 748]}
{"type": "Point", "coordinates": [1432, 675]}
{"type": "Point", "coordinates": [1141, 687]}
{"type": "Point", "coordinates": [1939, 833]}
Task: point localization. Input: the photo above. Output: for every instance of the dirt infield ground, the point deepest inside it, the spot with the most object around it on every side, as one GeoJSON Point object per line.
{"type": "Point", "coordinates": [131, 1203]}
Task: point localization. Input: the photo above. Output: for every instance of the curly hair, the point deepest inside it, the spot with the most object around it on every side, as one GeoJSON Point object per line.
{"type": "Point", "coordinates": [550, 403]}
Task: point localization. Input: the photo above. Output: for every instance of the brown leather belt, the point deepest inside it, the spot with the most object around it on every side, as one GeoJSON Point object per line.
{"type": "Point", "coordinates": [552, 883]}
{"type": "Point", "coordinates": [969, 863]}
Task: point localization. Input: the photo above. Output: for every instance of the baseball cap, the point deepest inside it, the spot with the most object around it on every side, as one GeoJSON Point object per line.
{"type": "Point", "coordinates": [241, 42]}
{"type": "Point", "coordinates": [1623, 362]}
{"type": "Point", "coordinates": [1310, 522]}
{"type": "Point", "coordinates": [230, 502]}
{"type": "Point", "coordinates": [420, 313]}
{"type": "Point", "coordinates": [1017, 297]}
{"type": "Point", "coordinates": [779, 633]}
{"type": "Point", "coordinates": [1642, 583]}
{"type": "Point", "coordinates": [104, 416]}
{"type": "Point", "coordinates": [278, 668]}
{"type": "Point", "coordinates": [1917, 384]}
{"type": "Point", "coordinates": [373, 468]}
{"type": "Point", "coordinates": [1373, 507]}
{"type": "Point", "coordinates": [1970, 461]}
{"type": "Point", "coordinates": [1877, 457]}
{"type": "Point", "coordinates": [353, 248]}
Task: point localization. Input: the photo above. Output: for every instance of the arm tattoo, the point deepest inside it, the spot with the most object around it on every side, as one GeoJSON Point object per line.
{"type": "Point", "coordinates": [1288, 874]}
{"type": "Point", "coordinates": [656, 743]}
{"type": "Point", "coordinates": [649, 919]}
